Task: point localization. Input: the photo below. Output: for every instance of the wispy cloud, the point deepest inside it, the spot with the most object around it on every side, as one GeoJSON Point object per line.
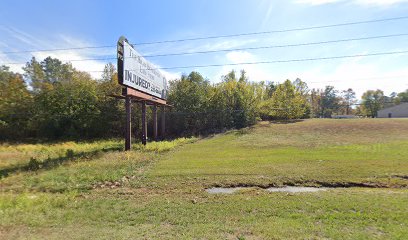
{"type": "Point", "coordinates": [195, 46]}
{"type": "Point", "coordinates": [23, 41]}
{"type": "Point", "coordinates": [359, 2]}
{"type": "Point", "coordinates": [268, 14]}
{"type": "Point", "coordinates": [226, 44]}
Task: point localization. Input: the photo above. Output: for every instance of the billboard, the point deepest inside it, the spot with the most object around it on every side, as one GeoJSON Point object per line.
{"type": "Point", "coordinates": [136, 72]}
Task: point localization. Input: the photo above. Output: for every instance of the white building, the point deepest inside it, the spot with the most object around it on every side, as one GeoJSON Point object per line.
{"type": "Point", "coordinates": [398, 111]}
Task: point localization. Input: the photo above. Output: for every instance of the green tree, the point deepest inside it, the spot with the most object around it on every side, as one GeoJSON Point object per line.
{"type": "Point", "coordinates": [238, 100]}
{"type": "Point", "coordinates": [200, 107]}
{"type": "Point", "coordinates": [56, 71]}
{"type": "Point", "coordinates": [15, 105]}
{"type": "Point", "coordinates": [35, 74]}
{"type": "Point", "coordinates": [372, 101]}
{"type": "Point", "coordinates": [69, 109]}
{"type": "Point", "coordinates": [329, 102]}
{"type": "Point", "coordinates": [402, 97]}
{"type": "Point", "coordinates": [189, 97]}
{"type": "Point", "coordinates": [286, 103]}
{"type": "Point", "coordinates": [270, 89]}
{"type": "Point", "coordinates": [315, 102]}
{"type": "Point", "coordinates": [112, 111]}
{"type": "Point", "coordinates": [302, 88]}
{"type": "Point", "coordinates": [44, 75]}
{"type": "Point", "coordinates": [349, 98]}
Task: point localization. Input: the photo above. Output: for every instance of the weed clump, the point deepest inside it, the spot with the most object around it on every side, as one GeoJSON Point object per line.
{"type": "Point", "coordinates": [34, 164]}
{"type": "Point", "coordinates": [70, 153]}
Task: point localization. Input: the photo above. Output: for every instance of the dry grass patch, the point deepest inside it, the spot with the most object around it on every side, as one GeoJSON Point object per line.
{"type": "Point", "coordinates": [324, 132]}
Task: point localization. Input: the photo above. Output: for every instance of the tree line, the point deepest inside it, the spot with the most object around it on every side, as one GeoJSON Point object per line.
{"type": "Point", "coordinates": [53, 100]}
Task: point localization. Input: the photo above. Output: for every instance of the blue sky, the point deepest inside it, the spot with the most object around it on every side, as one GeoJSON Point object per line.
{"type": "Point", "coordinates": [28, 25]}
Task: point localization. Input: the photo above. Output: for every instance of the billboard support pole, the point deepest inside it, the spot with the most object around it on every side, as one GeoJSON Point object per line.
{"type": "Point", "coordinates": [128, 131]}
{"type": "Point", "coordinates": [155, 122]}
{"type": "Point", "coordinates": [163, 122]}
{"type": "Point", "coordinates": [144, 123]}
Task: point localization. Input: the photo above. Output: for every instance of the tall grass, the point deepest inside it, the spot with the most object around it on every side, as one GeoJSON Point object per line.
{"type": "Point", "coordinates": [164, 145]}
{"type": "Point", "coordinates": [21, 154]}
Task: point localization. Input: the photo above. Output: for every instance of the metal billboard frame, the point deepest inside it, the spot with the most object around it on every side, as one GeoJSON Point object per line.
{"type": "Point", "coordinates": [134, 95]}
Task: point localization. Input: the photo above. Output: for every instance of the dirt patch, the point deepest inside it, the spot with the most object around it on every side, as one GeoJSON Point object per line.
{"type": "Point", "coordinates": [311, 183]}
{"type": "Point", "coordinates": [401, 176]}
{"type": "Point", "coordinates": [113, 184]}
{"type": "Point", "coordinates": [289, 189]}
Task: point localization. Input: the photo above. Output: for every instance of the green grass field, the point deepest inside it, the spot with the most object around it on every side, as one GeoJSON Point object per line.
{"type": "Point", "coordinates": [94, 190]}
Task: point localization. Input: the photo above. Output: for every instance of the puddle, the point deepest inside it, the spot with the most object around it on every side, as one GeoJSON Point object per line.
{"type": "Point", "coordinates": [223, 190]}
{"type": "Point", "coordinates": [290, 189]}
{"type": "Point", "coordinates": [295, 189]}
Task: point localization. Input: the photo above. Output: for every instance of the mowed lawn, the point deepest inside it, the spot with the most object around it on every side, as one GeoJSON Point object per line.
{"type": "Point", "coordinates": [333, 152]}
{"type": "Point", "coordinates": [158, 191]}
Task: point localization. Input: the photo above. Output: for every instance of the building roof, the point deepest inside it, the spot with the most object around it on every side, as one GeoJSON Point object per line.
{"type": "Point", "coordinates": [395, 107]}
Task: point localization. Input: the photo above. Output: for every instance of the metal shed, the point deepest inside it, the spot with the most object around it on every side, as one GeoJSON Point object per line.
{"type": "Point", "coordinates": [398, 111]}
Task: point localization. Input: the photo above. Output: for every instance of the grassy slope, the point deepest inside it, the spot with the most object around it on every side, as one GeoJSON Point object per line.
{"type": "Point", "coordinates": [369, 151]}
{"type": "Point", "coordinates": [163, 194]}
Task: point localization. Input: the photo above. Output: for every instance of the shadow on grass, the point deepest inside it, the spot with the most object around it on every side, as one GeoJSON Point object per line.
{"type": "Point", "coordinates": [34, 164]}
{"type": "Point", "coordinates": [286, 121]}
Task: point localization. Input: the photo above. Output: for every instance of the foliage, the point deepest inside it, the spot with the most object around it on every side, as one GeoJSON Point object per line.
{"type": "Point", "coordinates": [69, 109]}
{"type": "Point", "coordinates": [190, 96]}
{"type": "Point", "coordinates": [111, 110]}
{"type": "Point", "coordinates": [329, 102]}
{"type": "Point", "coordinates": [348, 99]}
{"type": "Point", "coordinates": [53, 100]}
{"type": "Point", "coordinates": [201, 108]}
{"type": "Point", "coordinates": [237, 101]}
{"type": "Point", "coordinates": [287, 102]}
{"type": "Point", "coordinates": [61, 102]}
{"type": "Point", "coordinates": [372, 102]}
{"type": "Point", "coordinates": [50, 71]}
{"type": "Point", "coordinates": [15, 105]}
{"type": "Point", "coordinates": [402, 97]}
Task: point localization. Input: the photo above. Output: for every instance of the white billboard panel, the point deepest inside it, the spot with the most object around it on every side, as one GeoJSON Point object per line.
{"type": "Point", "coordinates": [141, 75]}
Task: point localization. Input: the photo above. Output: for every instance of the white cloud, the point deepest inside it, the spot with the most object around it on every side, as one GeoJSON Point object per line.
{"type": "Point", "coordinates": [240, 56]}
{"type": "Point", "coordinates": [356, 75]}
{"type": "Point", "coordinates": [380, 2]}
{"type": "Point", "coordinates": [254, 72]}
{"type": "Point", "coordinates": [359, 2]}
{"type": "Point", "coordinates": [317, 2]}
{"type": "Point", "coordinates": [171, 75]}
{"type": "Point", "coordinates": [23, 41]}
{"type": "Point", "coordinates": [91, 66]}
